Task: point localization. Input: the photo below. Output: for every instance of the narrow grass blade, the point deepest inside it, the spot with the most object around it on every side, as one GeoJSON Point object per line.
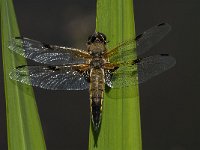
{"type": "Point", "coordinates": [23, 123]}
{"type": "Point", "coordinates": [120, 128]}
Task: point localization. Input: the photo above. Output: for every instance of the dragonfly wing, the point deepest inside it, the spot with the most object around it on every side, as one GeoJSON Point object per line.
{"type": "Point", "coordinates": [45, 53]}
{"type": "Point", "coordinates": [124, 76]}
{"type": "Point", "coordinates": [50, 77]}
{"type": "Point", "coordinates": [123, 55]}
{"type": "Point", "coordinates": [154, 65]}
{"type": "Point", "coordinates": [149, 38]}
{"type": "Point", "coordinates": [141, 71]}
{"type": "Point", "coordinates": [123, 51]}
{"type": "Point", "coordinates": [127, 50]}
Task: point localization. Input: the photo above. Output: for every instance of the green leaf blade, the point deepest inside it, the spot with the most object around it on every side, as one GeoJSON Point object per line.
{"type": "Point", "coordinates": [23, 124]}
{"type": "Point", "coordinates": [120, 128]}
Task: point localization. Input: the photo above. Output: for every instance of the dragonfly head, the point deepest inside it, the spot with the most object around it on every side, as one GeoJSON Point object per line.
{"type": "Point", "coordinates": [97, 37]}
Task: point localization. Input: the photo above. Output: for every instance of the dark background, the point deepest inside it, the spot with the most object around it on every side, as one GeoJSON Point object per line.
{"type": "Point", "coordinates": [169, 103]}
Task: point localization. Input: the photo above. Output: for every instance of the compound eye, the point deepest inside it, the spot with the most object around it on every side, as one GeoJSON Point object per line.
{"type": "Point", "coordinates": [91, 39]}
{"type": "Point", "coordinates": [103, 36]}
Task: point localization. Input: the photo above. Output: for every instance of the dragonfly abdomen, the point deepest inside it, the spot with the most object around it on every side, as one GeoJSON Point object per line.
{"type": "Point", "coordinates": [96, 95]}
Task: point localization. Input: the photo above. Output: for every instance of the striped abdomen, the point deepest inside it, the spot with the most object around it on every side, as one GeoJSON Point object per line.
{"type": "Point", "coordinates": [96, 95]}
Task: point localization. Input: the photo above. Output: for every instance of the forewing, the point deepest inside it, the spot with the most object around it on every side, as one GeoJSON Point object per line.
{"type": "Point", "coordinates": [127, 50]}
{"type": "Point", "coordinates": [50, 77]}
{"type": "Point", "coordinates": [123, 55]}
{"type": "Point", "coordinates": [47, 54]}
{"type": "Point", "coordinates": [150, 37]}
{"type": "Point", "coordinates": [141, 71]}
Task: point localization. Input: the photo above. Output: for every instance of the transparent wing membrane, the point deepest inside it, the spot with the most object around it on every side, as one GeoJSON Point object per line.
{"type": "Point", "coordinates": [50, 77]}
{"type": "Point", "coordinates": [47, 54]}
{"type": "Point", "coordinates": [124, 51]}
{"type": "Point", "coordinates": [151, 37]}
{"type": "Point", "coordinates": [127, 50]}
{"type": "Point", "coordinates": [123, 56]}
{"type": "Point", "coordinates": [141, 71]}
{"type": "Point", "coordinates": [123, 77]}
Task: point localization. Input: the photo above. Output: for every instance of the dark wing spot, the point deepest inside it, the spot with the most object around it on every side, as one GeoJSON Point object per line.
{"type": "Point", "coordinates": [19, 37]}
{"type": "Point", "coordinates": [139, 36]}
{"type": "Point", "coordinates": [137, 61]}
{"type": "Point", "coordinates": [47, 46]}
{"type": "Point", "coordinates": [164, 54]}
{"type": "Point", "coordinates": [54, 68]}
{"type": "Point", "coordinates": [22, 66]}
{"type": "Point", "coordinates": [161, 24]}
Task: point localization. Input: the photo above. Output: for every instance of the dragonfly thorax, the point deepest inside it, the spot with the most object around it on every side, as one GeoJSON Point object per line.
{"type": "Point", "coordinates": [96, 53]}
{"type": "Point", "coordinates": [97, 63]}
{"type": "Point", "coordinates": [96, 49]}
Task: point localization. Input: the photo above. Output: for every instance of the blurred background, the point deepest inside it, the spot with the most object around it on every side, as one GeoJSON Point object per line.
{"type": "Point", "coordinates": [169, 102]}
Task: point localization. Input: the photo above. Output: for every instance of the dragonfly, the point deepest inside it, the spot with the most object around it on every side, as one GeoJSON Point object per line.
{"type": "Point", "coordinates": [65, 68]}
